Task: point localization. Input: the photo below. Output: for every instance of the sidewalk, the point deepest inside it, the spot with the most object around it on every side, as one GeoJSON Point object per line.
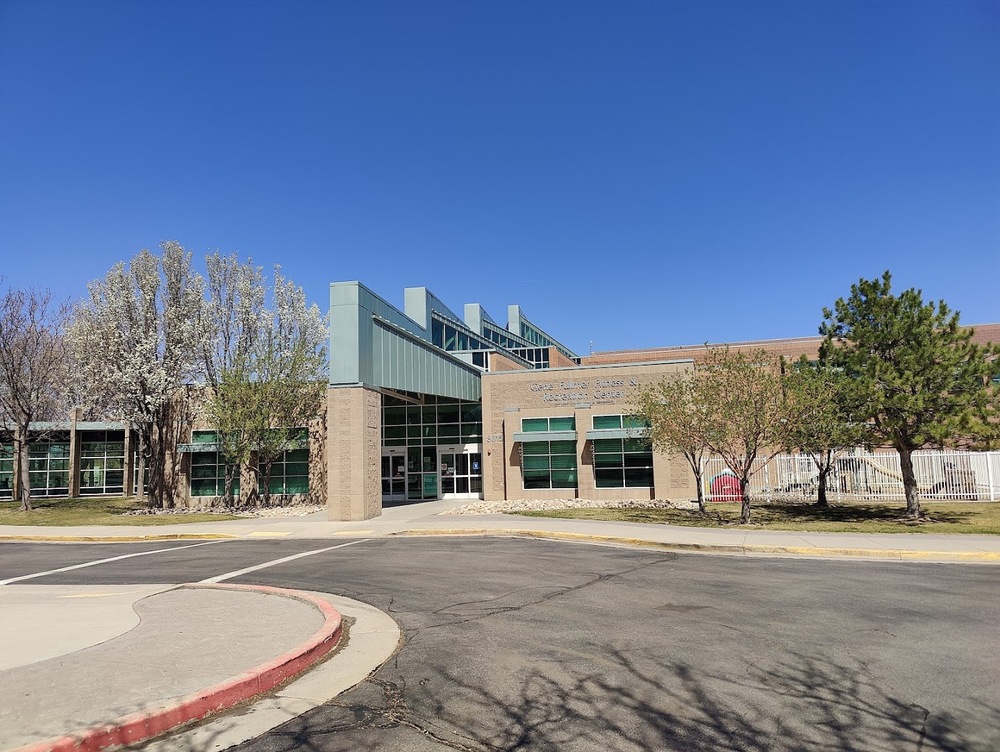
{"type": "Point", "coordinates": [162, 655]}
{"type": "Point", "coordinates": [431, 518]}
{"type": "Point", "coordinates": [87, 667]}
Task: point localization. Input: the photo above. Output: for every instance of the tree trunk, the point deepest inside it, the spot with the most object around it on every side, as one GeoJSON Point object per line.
{"type": "Point", "coordinates": [140, 484]}
{"type": "Point", "coordinates": [909, 483]}
{"type": "Point", "coordinates": [252, 494]}
{"type": "Point", "coordinates": [745, 502]}
{"type": "Point", "coordinates": [821, 493]}
{"type": "Point", "coordinates": [824, 464]}
{"type": "Point", "coordinates": [227, 497]}
{"type": "Point", "coordinates": [695, 463]}
{"type": "Point", "coordinates": [156, 467]}
{"type": "Point", "coordinates": [267, 484]}
{"type": "Point", "coordinates": [22, 480]}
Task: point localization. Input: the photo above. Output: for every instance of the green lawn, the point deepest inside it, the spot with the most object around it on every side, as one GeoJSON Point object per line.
{"type": "Point", "coordinates": [94, 511]}
{"type": "Point", "coordinates": [980, 518]}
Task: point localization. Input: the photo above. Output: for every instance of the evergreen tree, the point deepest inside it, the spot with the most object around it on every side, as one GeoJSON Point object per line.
{"type": "Point", "coordinates": [915, 375]}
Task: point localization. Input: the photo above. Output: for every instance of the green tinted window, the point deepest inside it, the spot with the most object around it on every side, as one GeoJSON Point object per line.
{"type": "Point", "coordinates": [437, 422]}
{"type": "Point", "coordinates": [102, 463]}
{"type": "Point", "coordinates": [207, 473]}
{"type": "Point", "coordinates": [548, 464]}
{"type": "Point", "coordinates": [623, 463]}
{"type": "Point", "coordinates": [531, 425]}
{"type": "Point", "coordinates": [448, 414]}
{"type": "Point", "coordinates": [394, 416]}
{"type": "Point", "coordinates": [48, 467]}
{"type": "Point", "coordinates": [290, 472]}
{"type": "Point", "coordinates": [534, 424]}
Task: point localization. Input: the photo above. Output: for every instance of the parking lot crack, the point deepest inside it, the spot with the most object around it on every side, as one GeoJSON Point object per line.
{"type": "Point", "coordinates": [490, 607]}
{"type": "Point", "coordinates": [395, 712]}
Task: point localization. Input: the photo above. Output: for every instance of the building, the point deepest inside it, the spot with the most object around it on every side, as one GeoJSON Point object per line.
{"type": "Point", "coordinates": [426, 404]}
{"type": "Point", "coordinates": [72, 458]}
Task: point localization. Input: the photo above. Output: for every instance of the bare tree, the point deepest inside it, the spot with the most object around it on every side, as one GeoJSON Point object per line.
{"type": "Point", "coordinates": [746, 413]}
{"type": "Point", "coordinates": [137, 340]}
{"type": "Point", "coordinates": [678, 415]}
{"type": "Point", "coordinates": [33, 370]}
{"type": "Point", "coordinates": [820, 422]}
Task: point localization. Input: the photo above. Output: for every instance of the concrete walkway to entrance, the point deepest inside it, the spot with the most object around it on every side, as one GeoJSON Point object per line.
{"type": "Point", "coordinates": [433, 518]}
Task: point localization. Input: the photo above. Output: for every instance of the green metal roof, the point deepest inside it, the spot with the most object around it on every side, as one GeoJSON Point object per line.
{"type": "Point", "coordinates": [373, 343]}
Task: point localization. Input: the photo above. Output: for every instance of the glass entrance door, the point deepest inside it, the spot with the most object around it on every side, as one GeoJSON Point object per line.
{"type": "Point", "coordinates": [461, 468]}
{"type": "Point", "coordinates": [394, 474]}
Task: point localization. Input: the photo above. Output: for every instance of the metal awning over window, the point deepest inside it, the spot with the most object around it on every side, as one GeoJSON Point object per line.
{"type": "Point", "coordinates": [617, 433]}
{"type": "Point", "coordinates": [212, 446]}
{"type": "Point", "coordinates": [528, 436]}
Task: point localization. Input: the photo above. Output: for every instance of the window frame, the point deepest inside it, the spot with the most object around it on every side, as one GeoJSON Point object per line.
{"type": "Point", "coordinates": [560, 458]}
{"type": "Point", "coordinates": [604, 449]}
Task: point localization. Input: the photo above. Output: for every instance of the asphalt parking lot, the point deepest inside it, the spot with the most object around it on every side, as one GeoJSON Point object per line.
{"type": "Point", "coordinates": [541, 645]}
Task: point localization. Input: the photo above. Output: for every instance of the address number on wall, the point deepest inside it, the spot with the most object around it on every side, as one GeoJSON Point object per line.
{"type": "Point", "coordinates": [494, 438]}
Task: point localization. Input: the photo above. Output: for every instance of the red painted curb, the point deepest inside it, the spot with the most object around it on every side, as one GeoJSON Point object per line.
{"type": "Point", "coordinates": [137, 727]}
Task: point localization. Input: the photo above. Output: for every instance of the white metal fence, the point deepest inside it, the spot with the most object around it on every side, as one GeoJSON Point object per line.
{"type": "Point", "coordinates": [859, 474]}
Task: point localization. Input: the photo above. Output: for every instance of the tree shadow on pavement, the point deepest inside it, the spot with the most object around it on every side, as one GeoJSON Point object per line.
{"type": "Point", "coordinates": [796, 703]}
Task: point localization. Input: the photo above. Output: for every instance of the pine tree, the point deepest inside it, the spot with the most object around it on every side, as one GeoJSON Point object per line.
{"type": "Point", "coordinates": [916, 376]}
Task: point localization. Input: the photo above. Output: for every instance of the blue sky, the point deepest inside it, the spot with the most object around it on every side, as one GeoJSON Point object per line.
{"type": "Point", "coordinates": [632, 173]}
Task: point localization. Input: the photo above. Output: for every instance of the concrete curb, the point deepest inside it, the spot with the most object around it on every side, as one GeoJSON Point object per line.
{"type": "Point", "coordinates": [117, 538]}
{"type": "Point", "coordinates": [147, 724]}
{"type": "Point", "coordinates": [889, 554]}
{"type": "Point", "coordinates": [372, 639]}
{"type": "Point", "coordinates": [893, 554]}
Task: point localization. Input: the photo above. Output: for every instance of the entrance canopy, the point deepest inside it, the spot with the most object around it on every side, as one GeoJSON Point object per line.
{"type": "Point", "coordinates": [374, 344]}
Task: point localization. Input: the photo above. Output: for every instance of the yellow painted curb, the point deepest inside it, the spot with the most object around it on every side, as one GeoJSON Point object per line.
{"type": "Point", "coordinates": [455, 531]}
{"type": "Point", "coordinates": [642, 542]}
{"type": "Point", "coordinates": [956, 555]}
{"type": "Point", "coordinates": [736, 549]}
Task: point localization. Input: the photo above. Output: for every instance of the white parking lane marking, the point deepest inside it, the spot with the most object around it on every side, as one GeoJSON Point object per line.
{"type": "Point", "coordinates": [104, 561]}
{"type": "Point", "coordinates": [266, 564]}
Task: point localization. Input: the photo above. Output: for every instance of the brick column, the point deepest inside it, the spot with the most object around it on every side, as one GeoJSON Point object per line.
{"type": "Point", "coordinates": [74, 453]}
{"type": "Point", "coordinates": [586, 485]}
{"type": "Point", "coordinates": [354, 453]}
{"type": "Point", "coordinates": [673, 477]}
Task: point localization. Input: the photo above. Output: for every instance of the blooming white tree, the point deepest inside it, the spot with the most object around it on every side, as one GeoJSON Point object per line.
{"type": "Point", "coordinates": [292, 360]}
{"type": "Point", "coordinates": [137, 340]}
{"type": "Point", "coordinates": [234, 313]}
{"type": "Point", "coordinates": [265, 367]}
